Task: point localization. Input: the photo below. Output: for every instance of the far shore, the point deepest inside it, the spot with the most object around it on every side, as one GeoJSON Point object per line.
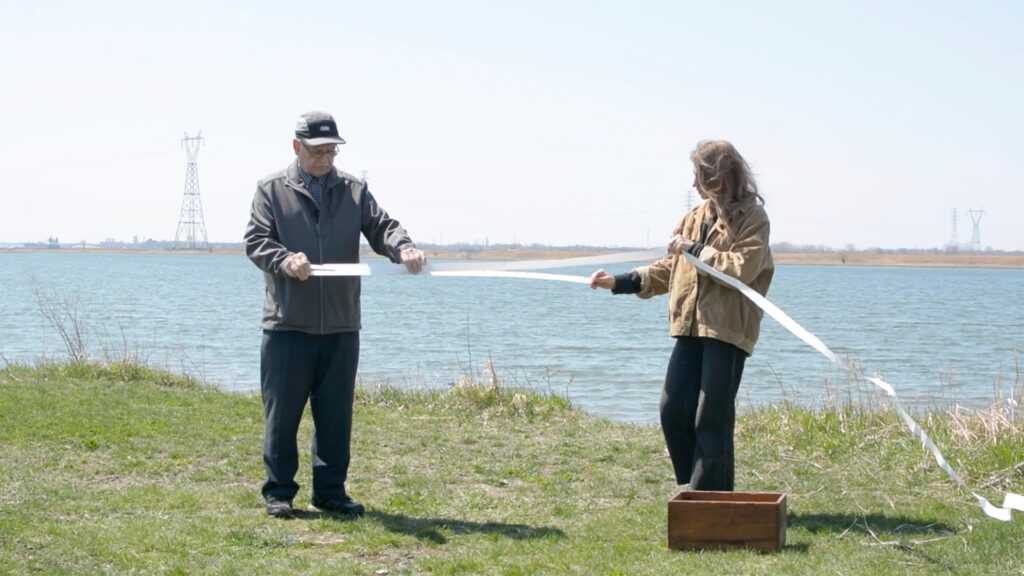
{"type": "Point", "coordinates": [943, 260]}
{"type": "Point", "coordinates": [918, 260]}
{"type": "Point", "coordinates": [869, 258]}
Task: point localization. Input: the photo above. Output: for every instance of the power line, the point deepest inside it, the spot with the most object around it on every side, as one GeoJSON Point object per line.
{"type": "Point", "coordinates": [954, 240]}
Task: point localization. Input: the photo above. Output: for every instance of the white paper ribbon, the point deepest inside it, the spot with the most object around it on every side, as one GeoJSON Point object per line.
{"type": "Point", "coordinates": [339, 270]}
{"type": "Point", "coordinates": [507, 265]}
{"type": "Point", "coordinates": [513, 274]}
{"type": "Point", "coordinates": [1011, 501]}
{"type": "Point", "coordinates": [519, 269]}
{"type": "Point", "coordinates": [495, 269]}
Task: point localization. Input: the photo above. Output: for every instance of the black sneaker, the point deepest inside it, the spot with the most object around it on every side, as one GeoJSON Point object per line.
{"type": "Point", "coordinates": [343, 505]}
{"type": "Point", "coordinates": [279, 508]}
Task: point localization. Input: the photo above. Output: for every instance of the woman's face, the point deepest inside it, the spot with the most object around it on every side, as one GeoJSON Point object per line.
{"type": "Point", "coordinates": [696, 184]}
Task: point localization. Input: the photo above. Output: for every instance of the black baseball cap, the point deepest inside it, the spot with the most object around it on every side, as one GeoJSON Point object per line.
{"type": "Point", "coordinates": [317, 128]}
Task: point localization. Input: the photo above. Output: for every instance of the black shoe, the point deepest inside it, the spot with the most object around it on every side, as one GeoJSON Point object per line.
{"type": "Point", "coordinates": [279, 508]}
{"type": "Point", "coordinates": [343, 505]}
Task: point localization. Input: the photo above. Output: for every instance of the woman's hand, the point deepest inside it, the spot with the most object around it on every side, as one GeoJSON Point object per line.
{"type": "Point", "coordinates": [678, 244]}
{"type": "Point", "coordinates": [602, 279]}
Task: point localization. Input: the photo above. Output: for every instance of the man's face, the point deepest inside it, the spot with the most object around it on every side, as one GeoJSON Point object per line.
{"type": "Point", "coordinates": [316, 161]}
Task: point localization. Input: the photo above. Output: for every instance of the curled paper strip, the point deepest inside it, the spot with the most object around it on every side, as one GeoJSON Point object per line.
{"type": "Point", "coordinates": [509, 265]}
{"type": "Point", "coordinates": [1011, 502]}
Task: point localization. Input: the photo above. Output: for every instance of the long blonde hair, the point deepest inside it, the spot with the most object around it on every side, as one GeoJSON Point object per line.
{"type": "Point", "coordinates": [725, 177]}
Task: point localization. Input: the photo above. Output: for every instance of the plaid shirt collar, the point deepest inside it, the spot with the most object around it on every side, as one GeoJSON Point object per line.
{"type": "Point", "coordinates": [314, 185]}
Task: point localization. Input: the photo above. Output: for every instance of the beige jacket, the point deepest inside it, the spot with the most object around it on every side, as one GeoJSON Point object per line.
{"type": "Point", "coordinates": [698, 304]}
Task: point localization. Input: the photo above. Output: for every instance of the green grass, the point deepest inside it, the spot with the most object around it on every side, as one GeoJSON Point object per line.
{"type": "Point", "coordinates": [118, 469]}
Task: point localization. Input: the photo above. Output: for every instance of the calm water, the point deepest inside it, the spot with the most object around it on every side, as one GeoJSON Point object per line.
{"type": "Point", "coordinates": [938, 335]}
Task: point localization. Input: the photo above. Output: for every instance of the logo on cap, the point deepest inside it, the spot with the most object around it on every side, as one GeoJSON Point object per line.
{"type": "Point", "coordinates": [316, 128]}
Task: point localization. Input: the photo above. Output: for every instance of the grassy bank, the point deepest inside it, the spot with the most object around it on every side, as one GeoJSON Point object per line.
{"type": "Point", "coordinates": [121, 469]}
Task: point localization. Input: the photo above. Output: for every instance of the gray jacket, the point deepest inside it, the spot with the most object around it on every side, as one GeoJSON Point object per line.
{"type": "Point", "coordinates": [285, 219]}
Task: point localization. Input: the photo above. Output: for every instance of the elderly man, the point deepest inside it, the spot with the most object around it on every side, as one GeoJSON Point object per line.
{"type": "Point", "coordinates": [311, 212]}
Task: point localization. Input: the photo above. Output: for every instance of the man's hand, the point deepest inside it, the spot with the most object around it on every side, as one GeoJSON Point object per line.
{"type": "Point", "coordinates": [296, 266]}
{"type": "Point", "coordinates": [414, 259]}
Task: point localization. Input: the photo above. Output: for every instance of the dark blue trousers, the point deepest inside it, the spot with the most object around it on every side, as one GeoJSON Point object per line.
{"type": "Point", "coordinates": [296, 367]}
{"type": "Point", "coordinates": [698, 411]}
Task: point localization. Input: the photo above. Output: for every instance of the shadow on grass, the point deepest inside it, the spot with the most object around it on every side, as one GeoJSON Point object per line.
{"type": "Point", "coordinates": [432, 528]}
{"type": "Point", "coordinates": [908, 535]}
{"type": "Point", "coordinates": [901, 526]}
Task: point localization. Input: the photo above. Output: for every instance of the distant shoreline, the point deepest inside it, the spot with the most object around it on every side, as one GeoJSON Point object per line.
{"type": "Point", "coordinates": [951, 260]}
{"type": "Point", "coordinates": [878, 259]}
{"type": "Point", "coordinates": [918, 260]}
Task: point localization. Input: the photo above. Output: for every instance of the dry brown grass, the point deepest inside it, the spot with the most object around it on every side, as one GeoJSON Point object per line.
{"type": "Point", "coordinates": [937, 260]}
{"type": "Point", "coordinates": [922, 260]}
{"type": "Point", "coordinates": [909, 259]}
{"type": "Point", "coordinates": [512, 254]}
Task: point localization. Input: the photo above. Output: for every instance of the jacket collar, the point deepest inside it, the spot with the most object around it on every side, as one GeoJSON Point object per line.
{"type": "Point", "coordinates": [737, 210]}
{"type": "Point", "coordinates": [295, 181]}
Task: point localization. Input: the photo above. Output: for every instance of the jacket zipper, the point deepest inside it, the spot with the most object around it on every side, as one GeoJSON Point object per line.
{"type": "Point", "coordinates": [320, 258]}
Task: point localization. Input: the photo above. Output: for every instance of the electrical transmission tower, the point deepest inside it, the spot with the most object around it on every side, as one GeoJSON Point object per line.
{"type": "Point", "coordinates": [954, 240]}
{"type": "Point", "coordinates": [976, 233]}
{"type": "Point", "coordinates": [191, 228]}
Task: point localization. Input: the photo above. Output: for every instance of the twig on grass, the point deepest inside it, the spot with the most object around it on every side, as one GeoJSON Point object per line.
{"type": "Point", "coordinates": [1001, 476]}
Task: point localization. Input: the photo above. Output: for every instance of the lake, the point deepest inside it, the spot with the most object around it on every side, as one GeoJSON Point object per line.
{"type": "Point", "coordinates": [940, 336]}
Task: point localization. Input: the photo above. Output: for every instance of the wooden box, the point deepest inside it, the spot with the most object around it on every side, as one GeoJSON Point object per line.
{"type": "Point", "coordinates": [721, 520]}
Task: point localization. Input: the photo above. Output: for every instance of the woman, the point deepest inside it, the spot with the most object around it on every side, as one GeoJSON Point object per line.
{"type": "Point", "coordinates": [714, 325]}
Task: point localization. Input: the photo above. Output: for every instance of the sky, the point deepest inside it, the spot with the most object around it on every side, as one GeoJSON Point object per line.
{"type": "Point", "coordinates": [868, 124]}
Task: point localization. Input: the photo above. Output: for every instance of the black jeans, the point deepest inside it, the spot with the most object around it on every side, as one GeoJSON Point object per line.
{"type": "Point", "coordinates": [698, 411]}
{"type": "Point", "coordinates": [296, 367]}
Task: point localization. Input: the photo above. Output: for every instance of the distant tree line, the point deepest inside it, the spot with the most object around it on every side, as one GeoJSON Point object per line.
{"type": "Point", "coordinates": [790, 248]}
